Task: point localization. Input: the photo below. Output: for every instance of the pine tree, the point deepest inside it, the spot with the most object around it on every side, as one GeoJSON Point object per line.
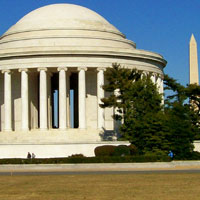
{"type": "Point", "coordinates": [147, 124]}
{"type": "Point", "coordinates": [139, 106]}
{"type": "Point", "coordinates": [181, 116]}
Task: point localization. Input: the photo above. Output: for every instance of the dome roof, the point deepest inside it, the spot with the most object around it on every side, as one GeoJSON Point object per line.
{"type": "Point", "coordinates": [67, 31]}
{"type": "Point", "coordinates": [64, 26]}
{"type": "Point", "coordinates": [62, 16]}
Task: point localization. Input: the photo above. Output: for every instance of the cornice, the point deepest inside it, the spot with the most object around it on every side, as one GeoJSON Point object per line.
{"type": "Point", "coordinates": [64, 51]}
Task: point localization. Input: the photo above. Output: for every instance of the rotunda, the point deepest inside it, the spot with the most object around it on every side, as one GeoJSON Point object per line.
{"type": "Point", "coordinates": [52, 63]}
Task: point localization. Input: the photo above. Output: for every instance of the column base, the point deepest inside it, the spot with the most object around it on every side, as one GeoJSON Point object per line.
{"type": "Point", "coordinates": [25, 129]}
{"type": "Point", "coordinates": [8, 130]}
{"type": "Point", "coordinates": [82, 129]}
{"type": "Point", "coordinates": [62, 129]}
{"type": "Point", "coordinates": [43, 129]}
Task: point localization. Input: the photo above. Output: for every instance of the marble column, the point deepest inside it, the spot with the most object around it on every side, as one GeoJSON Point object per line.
{"type": "Point", "coordinates": [68, 97]}
{"type": "Point", "coordinates": [7, 101]}
{"type": "Point", "coordinates": [24, 100]}
{"type": "Point", "coordinates": [159, 82]}
{"type": "Point", "coordinates": [81, 97]}
{"type": "Point", "coordinates": [100, 95]}
{"type": "Point", "coordinates": [43, 98]}
{"type": "Point", "coordinates": [117, 123]}
{"type": "Point", "coordinates": [153, 78]}
{"type": "Point", "coordinates": [62, 99]}
{"type": "Point", "coordinates": [162, 89]}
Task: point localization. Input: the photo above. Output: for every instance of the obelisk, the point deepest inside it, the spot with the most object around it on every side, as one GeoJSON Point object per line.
{"type": "Point", "coordinates": [194, 74]}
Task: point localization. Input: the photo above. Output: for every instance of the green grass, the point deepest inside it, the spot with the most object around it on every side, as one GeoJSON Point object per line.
{"type": "Point", "coordinates": [181, 186]}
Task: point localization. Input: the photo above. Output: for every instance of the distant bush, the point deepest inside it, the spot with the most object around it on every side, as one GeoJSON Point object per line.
{"type": "Point", "coordinates": [190, 156]}
{"type": "Point", "coordinates": [133, 149]}
{"type": "Point", "coordinates": [122, 150]}
{"type": "Point", "coordinates": [156, 153]}
{"type": "Point", "coordinates": [105, 150]}
{"type": "Point", "coordinates": [76, 156]}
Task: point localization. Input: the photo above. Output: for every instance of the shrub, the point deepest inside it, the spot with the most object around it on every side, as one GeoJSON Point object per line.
{"type": "Point", "coordinates": [105, 150]}
{"type": "Point", "coordinates": [156, 153]}
{"type": "Point", "coordinates": [76, 156]}
{"type": "Point", "coordinates": [133, 149]}
{"type": "Point", "coordinates": [101, 159]}
{"type": "Point", "coordinates": [122, 150]}
{"type": "Point", "coordinates": [194, 156]}
{"type": "Point", "coordinates": [190, 156]}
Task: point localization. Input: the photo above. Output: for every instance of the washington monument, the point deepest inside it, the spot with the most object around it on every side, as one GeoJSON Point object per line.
{"type": "Point", "coordinates": [194, 74]}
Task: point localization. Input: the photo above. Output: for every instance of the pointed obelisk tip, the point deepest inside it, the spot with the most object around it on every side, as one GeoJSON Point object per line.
{"type": "Point", "coordinates": [192, 39]}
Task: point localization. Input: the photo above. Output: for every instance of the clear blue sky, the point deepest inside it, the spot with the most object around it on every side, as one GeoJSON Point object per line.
{"type": "Point", "coordinates": [162, 26]}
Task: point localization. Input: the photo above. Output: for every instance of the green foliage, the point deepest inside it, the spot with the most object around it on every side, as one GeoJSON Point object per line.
{"type": "Point", "coordinates": [76, 156]}
{"type": "Point", "coordinates": [148, 125]}
{"type": "Point", "coordinates": [133, 149]}
{"type": "Point", "coordinates": [122, 150]}
{"type": "Point", "coordinates": [182, 116]}
{"type": "Point", "coordinates": [180, 128]}
{"type": "Point", "coordinates": [136, 94]}
{"type": "Point", "coordinates": [101, 159]}
{"type": "Point", "coordinates": [158, 153]}
{"type": "Point", "coordinates": [105, 150]}
{"type": "Point", "coordinates": [139, 106]}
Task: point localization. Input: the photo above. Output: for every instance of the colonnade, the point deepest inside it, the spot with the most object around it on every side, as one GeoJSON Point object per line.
{"type": "Point", "coordinates": [63, 81]}
{"type": "Point", "coordinates": [43, 115]}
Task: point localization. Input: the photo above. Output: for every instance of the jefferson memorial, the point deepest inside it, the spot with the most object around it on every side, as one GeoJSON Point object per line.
{"type": "Point", "coordinates": [53, 62]}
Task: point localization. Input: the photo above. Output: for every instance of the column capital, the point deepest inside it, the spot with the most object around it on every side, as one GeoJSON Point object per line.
{"type": "Point", "coordinates": [82, 68]}
{"type": "Point", "coordinates": [160, 76]}
{"type": "Point", "coordinates": [6, 70]}
{"type": "Point", "coordinates": [42, 69]}
{"type": "Point", "coordinates": [23, 69]}
{"type": "Point", "coordinates": [146, 73]}
{"type": "Point", "coordinates": [101, 69]}
{"type": "Point", "coordinates": [62, 68]}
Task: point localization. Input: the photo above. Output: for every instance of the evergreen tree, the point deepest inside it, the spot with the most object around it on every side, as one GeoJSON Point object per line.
{"type": "Point", "coordinates": [139, 106]}
{"type": "Point", "coordinates": [147, 124]}
{"type": "Point", "coordinates": [181, 116]}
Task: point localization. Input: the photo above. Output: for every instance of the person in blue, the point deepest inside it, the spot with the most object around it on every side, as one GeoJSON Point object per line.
{"type": "Point", "coordinates": [171, 155]}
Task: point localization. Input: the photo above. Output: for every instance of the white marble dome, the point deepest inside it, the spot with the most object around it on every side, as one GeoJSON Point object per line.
{"type": "Point", "coordinates": [64, 25]}
{"type": "Point", "coordinates": [62, 16]}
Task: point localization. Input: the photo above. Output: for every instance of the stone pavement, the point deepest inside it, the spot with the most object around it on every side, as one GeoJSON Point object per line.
{"type": "Point", "coordinates": [155, 166]}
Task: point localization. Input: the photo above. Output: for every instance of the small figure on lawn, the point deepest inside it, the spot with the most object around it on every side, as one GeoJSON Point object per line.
{"type": "Point", "coordinates": [29, 155]}
{"type": "Point", "coordinates": [33, 155]}
{"type": "Point", "coordinates": [171, 155]}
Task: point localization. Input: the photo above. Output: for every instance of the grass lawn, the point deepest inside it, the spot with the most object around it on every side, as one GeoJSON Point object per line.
{"type": "Point", "coordinates": [181, 186]}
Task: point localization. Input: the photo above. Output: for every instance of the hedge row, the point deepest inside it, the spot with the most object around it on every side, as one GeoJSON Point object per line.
{"type": "Point", "coordinates": [110, 150]}
{"type": "Point", "coordinates": [106, 159]}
